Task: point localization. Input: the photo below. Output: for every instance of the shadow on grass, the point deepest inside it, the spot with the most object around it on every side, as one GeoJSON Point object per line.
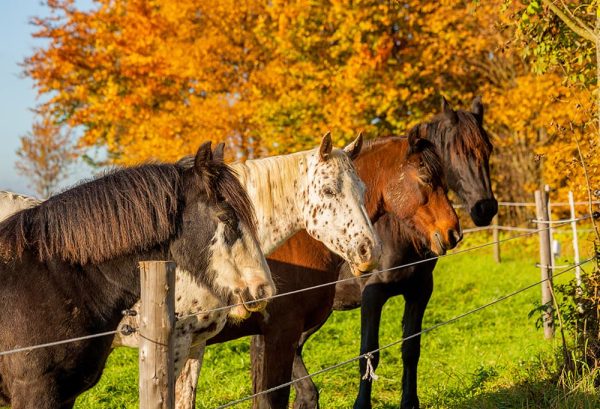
{"type": "Point", "coordinates": [542, 394]}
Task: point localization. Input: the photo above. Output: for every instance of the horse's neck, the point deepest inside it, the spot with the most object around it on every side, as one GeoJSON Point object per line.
{"type": "Point", "coordinates": [116, 282]}
{"type": "Point", "coordinates": [379, 162]}
{"type": "Point", "coordinates": [436, 136]}
{"type": "Point", "coordinates": [275, 186]}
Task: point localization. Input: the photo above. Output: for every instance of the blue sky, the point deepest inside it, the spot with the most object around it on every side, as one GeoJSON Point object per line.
{"type": "Point", "coordinates": [18, 95]}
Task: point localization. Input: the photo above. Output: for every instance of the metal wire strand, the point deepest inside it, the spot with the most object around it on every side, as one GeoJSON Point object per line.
{"type": "Point", "coordinates": [391, 344]}
{"type": "Point", "coordinates": [51, 344]}
{"type": "Point", "coordinates": [133, 329]}
{"type": "Point", "coordinates": [362, 276]}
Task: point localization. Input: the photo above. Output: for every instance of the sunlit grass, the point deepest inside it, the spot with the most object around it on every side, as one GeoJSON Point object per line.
{"type": "Point", "coordinates": [495, 358]}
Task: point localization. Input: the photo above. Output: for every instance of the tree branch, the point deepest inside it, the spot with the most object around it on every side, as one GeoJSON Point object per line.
{"type": "Point", "coordinates": [581, 23]}
{"type": "Point", "coordinates": [584, 32]}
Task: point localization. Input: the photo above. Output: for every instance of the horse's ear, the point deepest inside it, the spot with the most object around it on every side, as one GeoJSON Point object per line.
{"type": "Point", "coordinates": [219, 152]}
{"type": "Point", "coordinates": [477, 109]}
{"type": "Point", "coordinates": [415, 141]}
{"type": "Point", "coordinates": [326, 147]}
{"type": "Point", "coordinates": [354, 148]}
{"type": "Point", "coordinates": [203, 156]}
{"type": "Point", "coordinates": [449, 112]}
{"type": "Point", "coordinates": [413, 136]}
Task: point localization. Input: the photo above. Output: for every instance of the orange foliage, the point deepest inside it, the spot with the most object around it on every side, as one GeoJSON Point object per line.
{"type": "Point", "coordinates": [155, 78]}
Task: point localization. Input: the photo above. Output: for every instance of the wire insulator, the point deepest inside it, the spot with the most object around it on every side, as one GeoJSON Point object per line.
{"type": "Point", "coordinates": [127, 329]}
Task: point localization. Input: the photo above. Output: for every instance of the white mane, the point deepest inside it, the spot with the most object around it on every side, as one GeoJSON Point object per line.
{"type": "Point", "coordinates": [12, 202]}
{"type": "Point", "coordinates": [271, 184]}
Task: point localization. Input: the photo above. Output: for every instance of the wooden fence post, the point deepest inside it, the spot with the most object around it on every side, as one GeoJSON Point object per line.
{"type": "Point", "coordinates": [541, 206]}
{"type": "Point", "coordinates": [575, 250]}
{"type": "Point", "coordinates": [575, 240]}
{"type": "Point", "coordinates": [550, 227]}
{"type": "Point", "coordinates": [157, 321]}
{"type": "Point", "coordinates": [496, 239]}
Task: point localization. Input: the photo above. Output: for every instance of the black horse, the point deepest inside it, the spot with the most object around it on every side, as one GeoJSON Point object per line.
{"type": "Point", "coordinates": [68, 266]}
{"type": "Point", "coordinates": [465, 149]}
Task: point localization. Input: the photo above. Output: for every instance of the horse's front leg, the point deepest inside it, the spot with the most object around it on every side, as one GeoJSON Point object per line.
{"type": "Point", "coordinates": [272, 360]}
{"type": "Point", "coordinates": [187, 381]}
{"type": "Point", "coordinates": [414, 309]}
{"type": "Point", "coordinates": [373, 299]}
{"type": "Point", "coordinates": [307, 394]}
{"type": "Point", "coordinates": [185, 386]}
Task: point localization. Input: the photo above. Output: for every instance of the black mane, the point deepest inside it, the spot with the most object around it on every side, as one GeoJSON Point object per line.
{"type": "Point", "coordinates": [125, 210]}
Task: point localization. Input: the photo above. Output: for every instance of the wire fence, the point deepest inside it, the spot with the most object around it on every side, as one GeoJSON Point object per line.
{"type": "Point", "coordinates": [369, 355]}
{"type": "Point", "coordinates": [530, 204]}
{"type": "Point", "coordinates": [363, 276]}
{"type": "Point", "coordinates": [128, 329]}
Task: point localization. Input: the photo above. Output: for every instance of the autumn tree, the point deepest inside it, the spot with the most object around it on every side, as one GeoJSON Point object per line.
{"type": "Point", "coordinates": [148, 78]}
{"type": "Point", "coordinates": [562, 39]}
{"type": "Point", "coordinates": [155, 78]}
{"type": "Point", "coordinates": [45, 155]}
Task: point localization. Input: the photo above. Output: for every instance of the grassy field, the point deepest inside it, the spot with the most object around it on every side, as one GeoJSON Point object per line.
{"type": "Point", "coordinates": [495, 358]}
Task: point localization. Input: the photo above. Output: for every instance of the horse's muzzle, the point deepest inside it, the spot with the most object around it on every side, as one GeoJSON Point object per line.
{"type": "Point", "coordinates": [368, 255]}
{"type": "Point", "coordinates": [483, 211]}
{"type": "Point", "coordinates": [257, 302]}
{"type": "Point", "coordinates": [360, 269]}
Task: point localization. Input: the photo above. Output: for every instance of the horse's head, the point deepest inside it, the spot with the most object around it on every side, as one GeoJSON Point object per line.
{"type": "Point", "coordinates": [405, 178]}
{"type": "Point", "coordinates": [218, 212]}
{"type": "Point", "coordinates": [333, 205]}
{"type": "Point", "coordinates": [465, 148]}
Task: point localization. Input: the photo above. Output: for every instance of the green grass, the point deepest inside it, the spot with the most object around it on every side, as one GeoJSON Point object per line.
{"type": "Point", "coordinates": [495, 358]}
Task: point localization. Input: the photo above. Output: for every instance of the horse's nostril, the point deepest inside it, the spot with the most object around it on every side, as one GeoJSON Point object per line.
{"type": "Point", "coordinates": [440, 241]}
{"type": "Point", "coordinates": [261, 292]}
{"type": "Point", "coordinates": [245, 295]}
{"type": "Point", "coordinates": [363, 250]}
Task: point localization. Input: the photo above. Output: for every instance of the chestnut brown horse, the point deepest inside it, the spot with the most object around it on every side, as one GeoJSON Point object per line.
{"type": "Point", "coordinates": [403, 177]}
{"type": "Point", "coordinates": [465, 148]}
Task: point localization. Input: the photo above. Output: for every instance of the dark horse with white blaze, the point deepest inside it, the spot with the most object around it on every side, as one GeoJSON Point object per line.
{"type": "Point", "coordinates": [69, 266]}
{"type": "Point", "coordinates": [465, 149]}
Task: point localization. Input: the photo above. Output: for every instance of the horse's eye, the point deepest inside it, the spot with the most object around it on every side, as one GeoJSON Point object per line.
{"type": "Point", "coordinates": [223, 217]}
{"type": "Point", "coordinates": [328, 191]}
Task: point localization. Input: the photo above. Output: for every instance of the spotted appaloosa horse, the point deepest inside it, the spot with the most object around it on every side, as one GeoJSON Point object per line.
{"type": "Point", "coordinates": [465, 149]}
{"type": "Point", "coordinates": [317, 190]}
{"type": "Point", "coordinates": [404, 177]}
{"type": "Point", "coordinates": [69, 266]}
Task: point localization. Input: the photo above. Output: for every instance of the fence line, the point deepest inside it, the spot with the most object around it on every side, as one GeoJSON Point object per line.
{"type": "Point", "coordinates": [529, 233]}
{"type": "Point", "coordinates": [554, 223]}
{"type": "Point", "coordinates": [498, 227]}
{"type": "Point", "coordinates": [531, 204]}
{"type": "Point", "coordinates": [51, 344]}
{"type": "Point", "coordinates": [128, 330]}
{"type": "Point", "coordinates": [368, 355]}
{"type": "Point", "coordinates": [563, 221]}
